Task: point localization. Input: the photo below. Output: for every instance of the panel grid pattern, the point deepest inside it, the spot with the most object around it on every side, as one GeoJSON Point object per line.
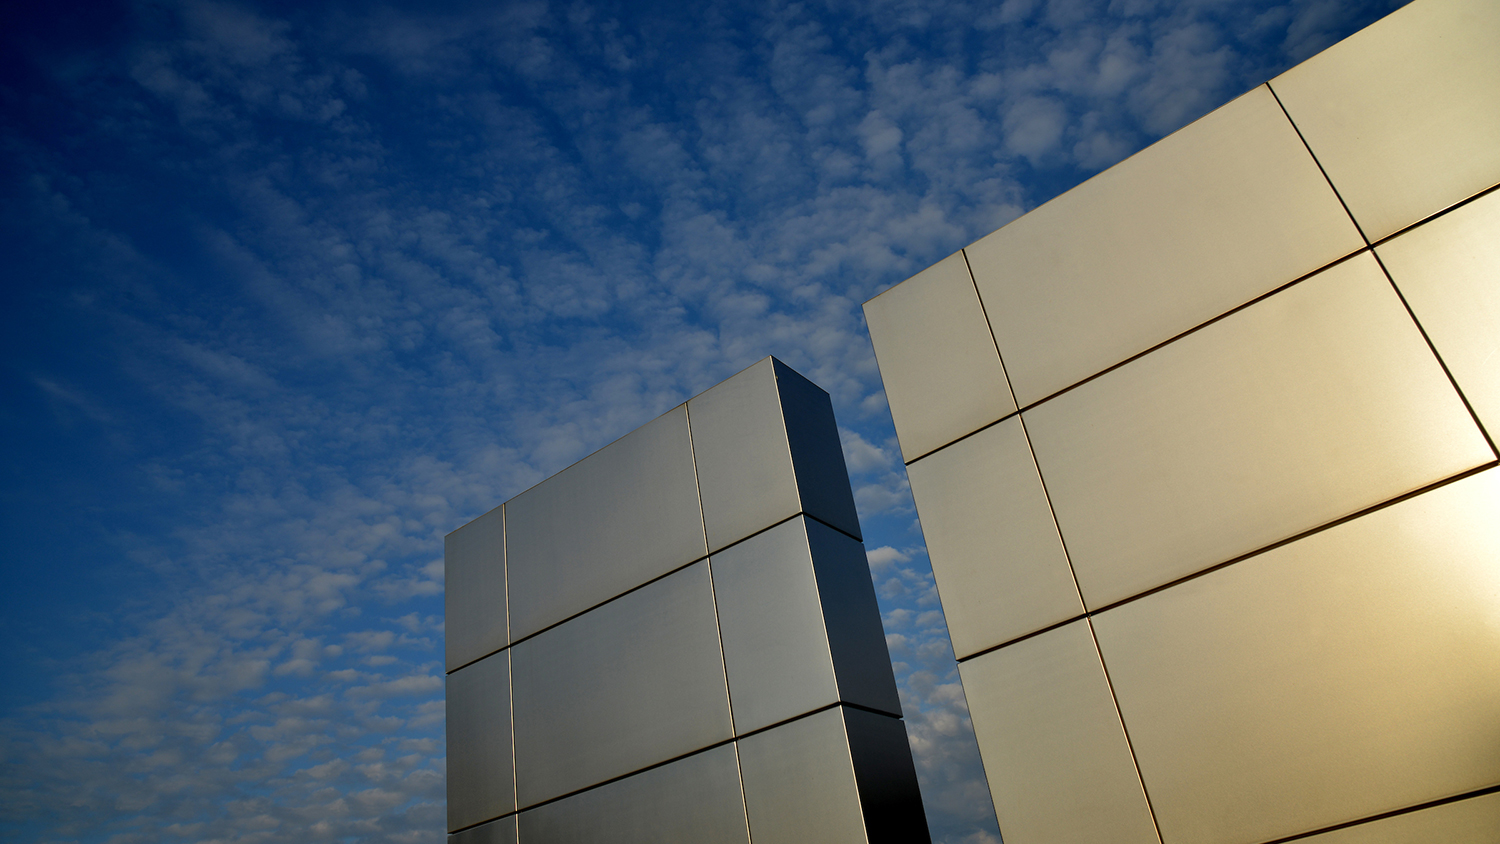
{"type": "Point", "coordinates": [1225, 572]}
{"type": "Point", "coordinates": [693, 593]}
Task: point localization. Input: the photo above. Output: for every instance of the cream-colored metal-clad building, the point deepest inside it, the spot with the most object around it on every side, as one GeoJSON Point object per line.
{"type": "Point", "coordinates": [1204, 454]}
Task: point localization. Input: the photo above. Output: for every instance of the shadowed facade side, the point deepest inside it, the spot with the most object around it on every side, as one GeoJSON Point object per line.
{"type": "Point", "coordinates": [1204, 455]}
{"type": "Point", "coordinates": [677, 639]}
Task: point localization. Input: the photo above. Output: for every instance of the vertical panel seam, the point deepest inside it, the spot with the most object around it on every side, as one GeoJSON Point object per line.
{"type": "Point", "coordinates": [988, 326]}
{"type": "Point", "coordinates": [1056, 525]}
{"type": "Point", "coordinates": [712, 590]}
{"type": "Point", "coordinates": [1129, 745]}
{"type": "Point", "coordinates": [510, 676]}
{"type": "Point", "coordinates": [1331, 186]}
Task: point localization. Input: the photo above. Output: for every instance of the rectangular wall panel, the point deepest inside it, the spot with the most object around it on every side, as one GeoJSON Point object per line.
{"type": "Point", "coordinates": [474, 600]}
{"type": "Point", "coordinates": [1349, 673]}
{"type": "Point", "coordinates": [1449, 271]}
{"type": "Point", "coordinates": [480, 773]}
{"type": "Point", "coordinates": [1054, 750]}
{"type": "Point", "coordinates": [1403, 115]}
{"type": "Point", "coordinates": [1305, 407]}
{"type": "Point", "coordinates": [696, 799]}
{"type": "Point", "coordinates": [1104, 271]}
{"type": "Point", "coordinates": [999, 564]}
{"type": "Point", "coordinates": [633, 503]}
{"type": "Point", "coordinates": [942, 375]}
{"type": "Point", "coordinates": [634, 682]}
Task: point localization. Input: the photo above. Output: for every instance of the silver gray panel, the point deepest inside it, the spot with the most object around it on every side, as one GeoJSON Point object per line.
{"type": "Point", "coordinates": [1158, 244]}
{"type": "Point", "coordinates": [502, 831]}
{"type": "Point", "coordinates": [1055, 753]}
{"type": "Point", "coordinates": [1307, 406]}
{"type": "Point", "coordinates": [860, 658]}
{"type": "Point", "coordinates": [1347, 674]}
{"type": "Point", "coordinates": [799, 783]}
{"type": "Point", "coordinates": [481, 782]}
{"type": "Point", "coordinates": [695, 800]}
{"type": "Point", "coordinates": [633, 503]}
{"type": "Point", "coordinates": [817, 455]}
{"type": "Point", "coordinates": [1403, 115]}
{"type": "Point", "coordinates": [998, 561]}
{"type": "Point", "coordinates": [887, 778]}
{"type": "Point", "coordinates": [775, 648]}
{"type": "Point", "coordinates": [800, 624]}
{"type": "Point", "coordinates": [1449, 271]}
{"type": "Point", "coordinates": [474, 593]}
{"type": "Point", "coordinates": [628, 684]}
{"type": "Point", "coordinates": [942, 375]}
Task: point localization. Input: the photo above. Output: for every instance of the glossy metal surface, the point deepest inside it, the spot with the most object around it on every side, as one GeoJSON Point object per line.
{"type": "Point", "coordinates": [998, 561]}
{"type": "Point", "coordinates": [1156, 245]}
{"type": "Point", "coordinates": [1403, 115]}
{"type": "Point", "coordinates": [767, 447]}
{"type": "Point", "coordinates": [1305, 407]}
{"type": "Point", "coordinates": [474, 597]}
{"type": "Point", "coordinates": [799, 783]}
{"type": "Point", "coordinates": [1449, 272]}
{"type": "Point", "coordinates": [775, 645]}
{"type": "Point", "coordinates": [942, 375]}
{"type": "Point", "coordinates": [634, 682]}
{"type": "Point", "coordinates": [502, 831]}
{"type": "Point", "coordinates": [887, 778]}
{"type": "Point", "coordinates": [789, 600]}
{"type": "Point", "coordinates": [817, 455]}
{"type": "Point", "coordinates": [695, 800]}
{"type": "Point", "coordinates": [1344, 675]}
{"type": "Point", "coordinates": [1055, 753]}
{"type": "Point", "coordinates": [1472, 821]}
{"type": "Point", "coordinates": [481, 782]}
{"type": "Point", "coordinates": [633, 503]}
{"type": "Point", "coordinates": [860, 658]}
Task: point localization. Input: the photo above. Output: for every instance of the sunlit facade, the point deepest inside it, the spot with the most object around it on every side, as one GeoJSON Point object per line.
{"type": "Point", "coordinates": [1204, 455]}
{"type": "Point", "coordinates": [677, 639]}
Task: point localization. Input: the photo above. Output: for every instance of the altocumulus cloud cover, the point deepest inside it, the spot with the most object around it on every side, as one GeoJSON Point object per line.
{"type": "Point", "coordinates": [289, 291]}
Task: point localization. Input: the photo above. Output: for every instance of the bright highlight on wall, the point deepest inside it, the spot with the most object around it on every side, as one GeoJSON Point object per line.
{"type": "Point", "coordinates": [1204, 454]}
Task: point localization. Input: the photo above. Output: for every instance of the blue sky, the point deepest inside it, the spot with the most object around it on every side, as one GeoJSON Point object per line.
{"type": "Point", "coordinates": [288, 292]}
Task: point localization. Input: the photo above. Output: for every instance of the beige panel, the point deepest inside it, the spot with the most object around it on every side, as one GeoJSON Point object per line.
{"type": "Point", "coordinates": [1405, 115]}
{"type": "Point", "coordinates": [1305, 407]}
{"type": "Point", "coordinates": [1472, 821]}
{"type": "Point", "coordinates": [1350, 673]}
{"type": "Point", "coordinates": [1449, 272]}
{"type": "Point", "coordinates": [942, 375]}
{"type": "Point", "coordinates": [799, 783]}
{"type": "Point", "coordinates": [474, 600]}
{"type": "Point", "coordinates": [999, 565]}
{"type": "Point", "coordinates": [1057, 759]}
{"type": "Point", "coordinates": [1206, 219]}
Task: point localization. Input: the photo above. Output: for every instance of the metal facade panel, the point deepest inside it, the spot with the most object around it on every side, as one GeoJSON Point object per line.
{"type": "Point", "coordinates": [695, 800]}
{"type": "Point", "coordinates": [745, 473]}
{"type": "Point", "coordinates": [1107, 270]}
{"type": "Point", "coordinates": [1054, 750]}
{"type": "Point", "coordinates": [628, 684]}
{"type": "Point", "coordinates": [1449, 272]}
{"type": "Point", "coordinates": [1471, 821]}
{"type": "Point", "coordinates": [481, 783]}
{"type": "Point", "coordinates": [775, 646]}
{"type": "Point", "coordinates": [1347, 674]}
{"type": "Point", "coordinates": [799, 783]}
{"type": "Point", "coordinates": [817, 454]}
{"type": "Point", "coordinates": [861, 662]}
{"type": "Point", "coordinates": [633, 503]}
{"type": "Point", "coordinates": [886, 777]}
{"type": "Point", "coordinates": [942, 375]}
{"type": "Point", "coordinates": [999, 564]}
{"type": "Point", "coordinates": [474, 604]}
{"type": "Point", "coordinates": [1405, 116]}
{"type": "Point", "coordinates": [502, 831]}
{"type": "Point", "coordinates": [1305, 407]}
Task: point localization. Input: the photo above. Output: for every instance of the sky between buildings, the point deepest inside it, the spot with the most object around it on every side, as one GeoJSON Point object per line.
{"type": "Point", "coordinates": [289, 291]}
